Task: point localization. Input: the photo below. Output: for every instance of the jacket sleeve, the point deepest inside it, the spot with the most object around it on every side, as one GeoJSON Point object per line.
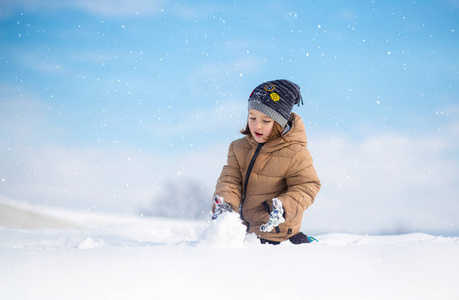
{"type": "Point", "coordinates": [303, 184]}
{"type": "Point", "coordinates": [229, 184]}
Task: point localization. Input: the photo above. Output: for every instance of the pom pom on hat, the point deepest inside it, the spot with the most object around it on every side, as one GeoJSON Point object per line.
{"type": "Point", "coordinates": [276, 99]}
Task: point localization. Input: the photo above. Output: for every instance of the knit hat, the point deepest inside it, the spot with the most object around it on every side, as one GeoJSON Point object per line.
{"type": "Point", "coordinates": [276, 99]}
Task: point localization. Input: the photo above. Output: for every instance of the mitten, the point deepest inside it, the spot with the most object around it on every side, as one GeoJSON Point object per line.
{"type": "Point", "coordinates": [275, 217]}
{"type": "Point", "coordinates": [220, 207]}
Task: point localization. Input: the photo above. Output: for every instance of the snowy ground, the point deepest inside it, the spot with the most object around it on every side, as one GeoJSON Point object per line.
{"type": "Point", "coordinates": [119, 257]}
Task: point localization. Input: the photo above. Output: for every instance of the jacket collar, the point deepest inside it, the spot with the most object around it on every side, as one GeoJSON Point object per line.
{"type": "Point", "coordinates": [296, 135]}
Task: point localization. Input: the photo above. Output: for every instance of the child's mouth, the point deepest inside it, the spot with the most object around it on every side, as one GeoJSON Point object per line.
{"type": "Point", "coordinates": [258, 134]}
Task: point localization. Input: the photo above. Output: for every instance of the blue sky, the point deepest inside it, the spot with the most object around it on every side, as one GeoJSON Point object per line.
{"type": "Point", "coordinates": [102, 103]}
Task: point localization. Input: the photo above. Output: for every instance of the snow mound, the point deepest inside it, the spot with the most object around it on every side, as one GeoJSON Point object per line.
{"type": "Point", "coordinates": [90, 243]}
{"type": "Point", "coordinates": [227, 231]}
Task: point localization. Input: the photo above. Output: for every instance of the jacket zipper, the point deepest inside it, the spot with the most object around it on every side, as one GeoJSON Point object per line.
{"type": "Point", "coordinates": [249, 170]}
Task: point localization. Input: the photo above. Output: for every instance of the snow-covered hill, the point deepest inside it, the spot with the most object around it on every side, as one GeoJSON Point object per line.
{"type": "Point", "coordinates": [119, 257]}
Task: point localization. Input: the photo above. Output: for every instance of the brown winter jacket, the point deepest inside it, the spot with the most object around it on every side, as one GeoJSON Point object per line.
{"type": "Point", "coordinates": [282, 169]}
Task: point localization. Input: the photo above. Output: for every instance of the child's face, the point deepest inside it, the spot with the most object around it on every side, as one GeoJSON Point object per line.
{"type": "Point", "coordinates": [261, 126]}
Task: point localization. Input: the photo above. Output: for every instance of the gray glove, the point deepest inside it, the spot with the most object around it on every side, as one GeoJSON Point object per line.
{"type": "Point", "coordinates": [275, 217]}
{"type": "Point", "coordinates": [220, 207]}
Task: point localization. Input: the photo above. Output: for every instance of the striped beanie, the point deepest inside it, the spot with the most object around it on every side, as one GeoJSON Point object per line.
{"type": "Point", "coordinates": [276, 99]}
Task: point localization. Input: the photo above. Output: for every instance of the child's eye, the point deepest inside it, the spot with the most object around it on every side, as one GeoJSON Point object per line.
{"type": "Point", "coordinates": [267, 121]}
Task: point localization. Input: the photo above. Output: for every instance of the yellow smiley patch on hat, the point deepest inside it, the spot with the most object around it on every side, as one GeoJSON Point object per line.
{"type": "Point", "coordinates": [275, 97]}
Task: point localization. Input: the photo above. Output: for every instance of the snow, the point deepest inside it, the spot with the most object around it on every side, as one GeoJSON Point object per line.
{"type": "Point", "coordinates": [117, 257]}
{"type": "Point", "coordinates": [227, 231]}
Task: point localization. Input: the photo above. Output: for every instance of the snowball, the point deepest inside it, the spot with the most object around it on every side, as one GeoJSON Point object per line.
{"type": "Point", "coordinates": [227, 231]}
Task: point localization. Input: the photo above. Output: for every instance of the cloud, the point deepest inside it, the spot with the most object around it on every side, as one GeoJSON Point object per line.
{"type": "Point", "coordinates": [21, 117]}
{"type": "Point", "coordinates": [212, 122]}
{"type": "Point", "coordinates": [389, 182]}
{"type": "Point", "coordinates": [39, 167]}
{"type": "Point", "coordinates": [37, 63]}
{"type": "Point", "coordinates": [118, 8]}
{"type": "Point", "coordinates": [109, 8]}
{"type": "Point", "coordinates": [116, 180]}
